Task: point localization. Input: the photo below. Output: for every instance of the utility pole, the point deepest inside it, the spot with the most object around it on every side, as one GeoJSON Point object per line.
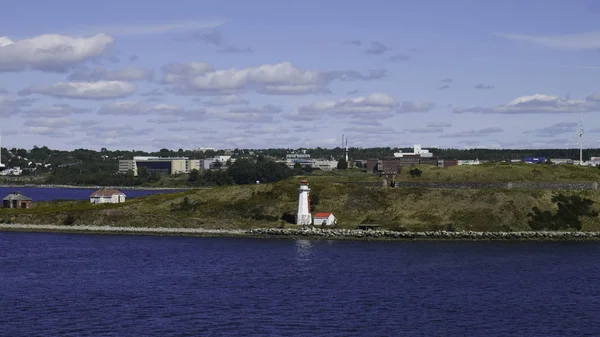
{"type": "Point", "coordinates": [580, 133]}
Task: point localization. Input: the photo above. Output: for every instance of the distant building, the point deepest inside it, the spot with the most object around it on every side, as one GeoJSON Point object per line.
{"type": "Point", "coordinates": [417, 152]}
{"type": "Point", "coordinates": [16, 200]}
{"type": "Point", "coordinates": [107, 196]}
{"type": "Point", "coordinates": [561, 161]}
{"type": "Point", "coordinates": [534, 160]}
{"type": "Point", "coordinates": [469, 162]}
{"type": "Point", "coordinates": [301, 158]}
{"type": "Point", "coordinates": [324, 219]}
{"type": "Point", "coordinates": [324, 164]}
{"type": "Point", "coordinates": [215, 162]}
{"type": "Point", "coordinates": [160, 165]}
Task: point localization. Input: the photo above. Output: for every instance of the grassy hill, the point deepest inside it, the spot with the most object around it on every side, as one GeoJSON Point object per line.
{"type": "Point", "coordinates": [264, 205]}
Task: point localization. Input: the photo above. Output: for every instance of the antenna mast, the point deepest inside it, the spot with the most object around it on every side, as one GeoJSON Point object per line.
{"type": "Point", "coordinates": [580, 133]}
{"type": "Point", "coordinates": [346, 149]}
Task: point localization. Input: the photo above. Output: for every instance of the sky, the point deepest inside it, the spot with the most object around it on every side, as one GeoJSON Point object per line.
{"type": "Point", "coordinates": [146, 75]}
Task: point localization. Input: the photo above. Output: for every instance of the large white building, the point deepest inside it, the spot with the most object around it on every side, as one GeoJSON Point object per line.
{"type": "Point", "coordinates": [161, 165]}
{"type": "Point", "coordinates": [417, 150]}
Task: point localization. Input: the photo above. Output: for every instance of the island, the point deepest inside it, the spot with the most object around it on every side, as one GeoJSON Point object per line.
{"type": "Point", "coordinates": [489, 201]}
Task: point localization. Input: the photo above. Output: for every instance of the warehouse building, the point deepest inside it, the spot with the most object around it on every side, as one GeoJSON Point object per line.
{"type": "Point", "coordinates": [160, 165]}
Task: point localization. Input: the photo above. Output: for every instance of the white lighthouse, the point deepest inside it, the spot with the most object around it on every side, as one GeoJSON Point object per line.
{"type": "Point", "coordinates": [303, 217]}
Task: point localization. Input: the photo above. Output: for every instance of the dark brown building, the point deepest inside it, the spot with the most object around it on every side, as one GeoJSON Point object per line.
{"type": "Point", "coordinates": [429, 161]}
{"type": "Point", "coordinates": [390, 166]}
{"type": "Point", "coordinates": [372, 165]}
{"type": "Point", "coordinates": [16, 200]}
{"type": "Point", "coordinates": [447, 162]}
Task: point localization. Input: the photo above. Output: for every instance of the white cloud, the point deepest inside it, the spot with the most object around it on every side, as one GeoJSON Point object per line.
{"type": "Point", "coordinates": [589, 40]}
{"type": "Point", "coordinates": [50, 52]}
{"type": "Point", "coordinates": [133, 108]}
{"type": "Point", "coordinates": [83, 90]}
{"type": "Point", "coordinates": [158, 28]}
{"type": "Point", "coordinates": [226, 100]}
{"type": "Point", "coordinates": [293, 90]}
{"type": "Point", "coordinates": [283, 79]}
{"type": "Point", "coordinates": [376, 104]}
{"type": "Point", "coordinates": [116, 131]}
{"type": "Point", "coordinates": [180, 73]}
{"type": "Point", "coordinates": [438, 125]}
{"type": "Point", "coordinates": [535, 104]}
{"type": "Point", "coordinates": [425, 130]}
{"type": "Point", "coordinates": [555, 129]}
{"type": "Point", "coordinates": [473, 133]}
{"type": "Point", "coordinates": [9, 107]}
{"type": "Point", "coordinates": [102, 74]}
{"type": "Point", "coordinates": [263, 114]}
{"type": "Point", "coordinates": [53, 111]}
{"type": "Point", "coordinates": [369, 129]}
{"type": "Point", "coordinates": [52, 122]}
{"type": "Point", "coordinates": [408, 107]}
{"type": "Point", "coordinates": [47, 131]}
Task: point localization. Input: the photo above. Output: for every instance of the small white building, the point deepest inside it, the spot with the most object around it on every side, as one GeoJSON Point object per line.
{"type": "Point", "coordinates": [105, 196]}
{"type": "Point", "coordinates": [324, 218]}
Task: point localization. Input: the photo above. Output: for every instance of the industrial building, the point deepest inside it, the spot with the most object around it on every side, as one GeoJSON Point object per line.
{"type": "Point", "coordinates": [160, 165]}
{"type": "Point", "coordinates": [417, 152]}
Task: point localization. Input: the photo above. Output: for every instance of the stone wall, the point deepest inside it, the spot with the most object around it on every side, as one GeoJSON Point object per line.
{"type": "Point", "coordinates": [531, 185]}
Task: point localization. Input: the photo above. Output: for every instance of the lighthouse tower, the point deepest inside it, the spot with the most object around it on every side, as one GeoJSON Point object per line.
{"type": "Point", "coordinates": [303, 217]}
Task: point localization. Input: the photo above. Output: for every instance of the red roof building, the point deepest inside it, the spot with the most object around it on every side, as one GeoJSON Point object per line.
{"type": "Point", "coordinates": [324, 218]}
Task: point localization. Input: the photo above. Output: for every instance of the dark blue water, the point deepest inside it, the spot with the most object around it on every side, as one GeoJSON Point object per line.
{"type": "Point", "coordinates": [47, 193]}
{"type": "Point", "coordinates": [78, 285]}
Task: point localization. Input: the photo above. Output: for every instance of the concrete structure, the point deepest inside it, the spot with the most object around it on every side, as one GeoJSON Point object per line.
{"type": "Point", "coordinates": [215, 162]}
{"type": "Point", "coordinates": [161, 165]}
{"type": "Point", "coordinates": [562, 161]}
{"type": "Point", "coordinates": [16, 200]}
{"type": "Point", "coordinates": [303, 216]}
{"type": "Point", "coordinates": [324, 219]}
{"type": "Point", "coordinates": [105, 196]}
{"type": "Point", "coordinates": [324, 164]}
{"type": "Point", "coordinates": [417, 151]}
{"type": "Point", "coordinates": [469, 162]}
{"type": "Point", "coordinates": [194, 164]}
{"type": "Point", "coordinates": [127, 165]}
{"type": "Point", "coordinates": [302, 158]}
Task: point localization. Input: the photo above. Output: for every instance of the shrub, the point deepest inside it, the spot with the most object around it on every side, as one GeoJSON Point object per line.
{"type": "Point", "coordinates": [69, 220]}
{"type": "Point", "coordinates": [570, 209]}
{"type": "Point", "coordinates": [415, 172]}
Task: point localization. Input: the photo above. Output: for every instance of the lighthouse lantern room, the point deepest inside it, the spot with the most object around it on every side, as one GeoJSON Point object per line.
{"type": "Point", "coordinates": [303, 217]}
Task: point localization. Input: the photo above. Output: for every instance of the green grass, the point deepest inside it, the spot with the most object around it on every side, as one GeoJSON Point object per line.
{"type": "Point", "coordinates": [414, 209]}
{"type": "Point", "coordinates": [263, 205]}
{"type": "Point", "coordinates": [504, 172]}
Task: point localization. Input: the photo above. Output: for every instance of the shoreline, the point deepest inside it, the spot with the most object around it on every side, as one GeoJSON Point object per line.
{"type": "Point", "coordinates": [312, 233]}
{"type": "Point", "coordinates": [97, 187]}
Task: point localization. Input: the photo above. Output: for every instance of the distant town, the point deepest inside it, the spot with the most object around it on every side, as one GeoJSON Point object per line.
{"type": "Point", "coordinates": [17, 162]}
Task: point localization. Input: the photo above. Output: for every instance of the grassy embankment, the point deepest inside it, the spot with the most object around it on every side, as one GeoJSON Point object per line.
{"type": "Point", "coordinates": [263, 205]}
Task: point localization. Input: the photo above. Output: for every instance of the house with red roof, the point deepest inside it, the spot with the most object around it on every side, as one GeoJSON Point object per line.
{"type": "Point", "coordinates": [104, 196]}
{"type": "Point", "coordinates": [324, 219]}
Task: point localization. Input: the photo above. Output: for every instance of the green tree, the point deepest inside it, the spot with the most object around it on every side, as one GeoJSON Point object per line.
{"type": "Point", "coordinates": [570, 210]}
{"type": "Point", "coordinates": [342, 164]}
{"type": "Point", "coordinates": [194, 176]}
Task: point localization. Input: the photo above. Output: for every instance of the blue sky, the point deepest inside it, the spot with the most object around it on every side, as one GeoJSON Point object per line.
{"type": "Point", "coordinates": [255, 74]}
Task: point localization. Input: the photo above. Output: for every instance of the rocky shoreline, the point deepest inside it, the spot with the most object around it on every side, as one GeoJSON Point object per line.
{"type": "Point", "coordinates": [313, 233]}
{"type": "Point", "coordinates": [97, 187]}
